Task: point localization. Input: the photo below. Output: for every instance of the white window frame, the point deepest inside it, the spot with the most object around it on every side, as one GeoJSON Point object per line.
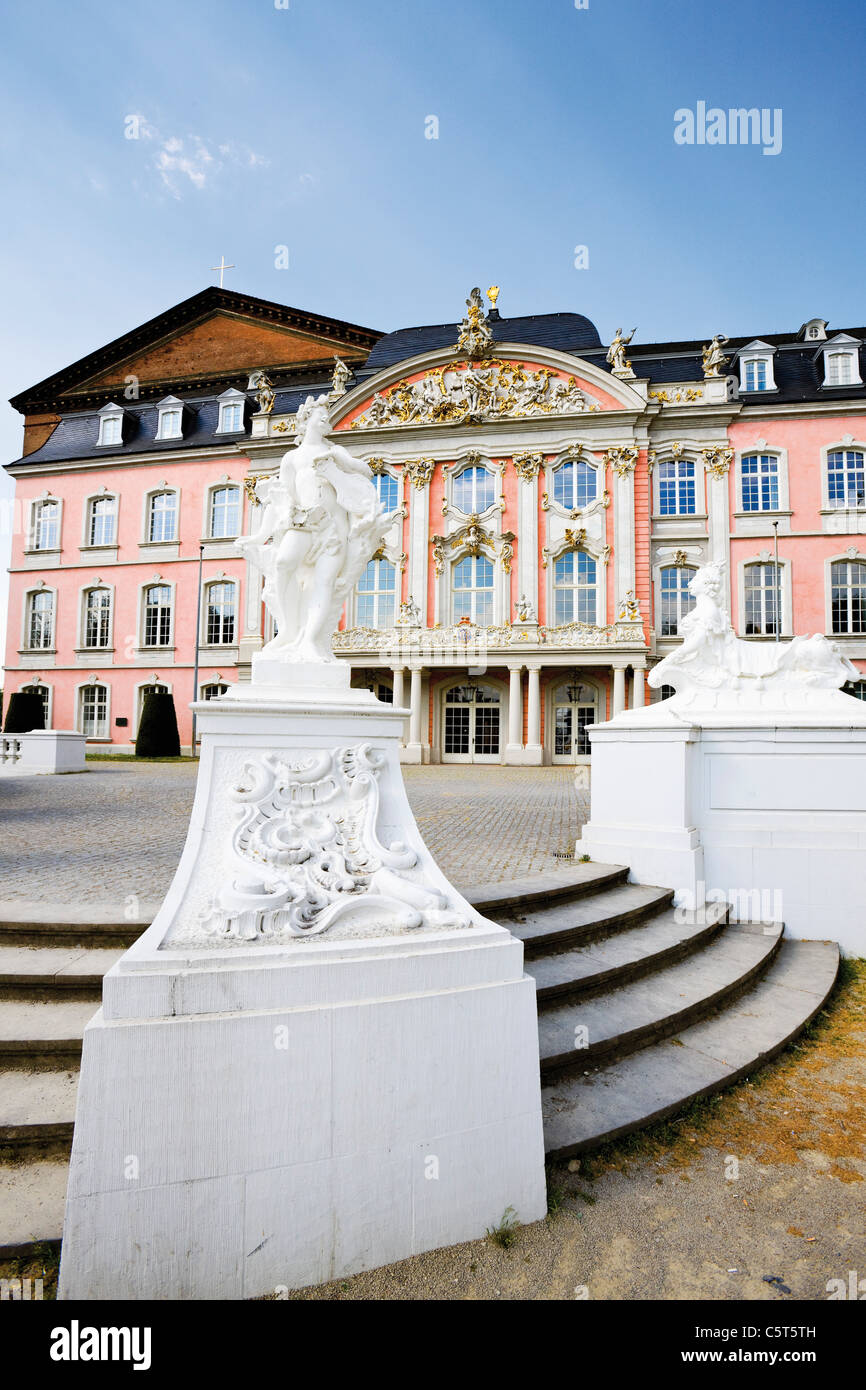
{"type": "Point", "coordinates": [157, 582]}
{"type": "Point", "coordinates": [473, 458]}
{"type": "Point", "coordinates": [596, 553]}
{"type": "Point", "coordinates": [664, 455]}
{"type": "Point", "coordinates": [148, 503]}
{"type": "Point", "coordinates": [765, 557]}
{"type": "Point", "coordinates": [86, 590]}
{"type": "Point", "coordinates": [206, 588]}
{"type": "Point", "coordinates": [209, 684]}
{"type": "Point", "coordinates": [89, 503]}
{"type": "Point", "coordinates": [556, 467]}
{"type": "Point", "coordinates": [757, 351]}
{"type": "Point", "coordinates": [396, 478]}
{"type": "Point", "coordinates": [109, 413]}
{"type": "Point", "coordinates": [850, 556]}
{"type": "Point", "coordinates": [848, 445]}
{"type": "Point", "coordinates": [557, 677]}
{"type": "Point", "coordinates": [29, 595]}
{"type": "Point", "coordinates": [780, 456]}
{"type": "Point", "coordinates": [230, 398]}
{"type": "Point", "coordinates": [689, 568]}
{"type": "Point", "coordinates": [35, 506]}
{"type": "Point", "coordinates": [169, 408]}
{"type": "Point", "coordinates": [454, 561]}
{"type": "Point", "coordinates": [224, 482]}
{"type": "Point", "coordinates": [843, 346]}
{"type": "Point", "coordinates": [357, 595]}
{"type": "Point", "coordinates": [600, 583]}
{"type": "Point", "coordinates": [79, 710]}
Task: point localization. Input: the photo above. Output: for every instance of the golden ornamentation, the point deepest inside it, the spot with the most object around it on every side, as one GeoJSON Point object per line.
{"type": "Point", "coordinates": [528, 466]}
{"type": "Point", "coordinates": [717, 460]}
{"type": "Point", "coordinates": [473, 538]}
{"type": "Point", "coordinates": [712, 357]}
{"type": "Point", "coordinates": [419, 471]}
{"type": "Point", "coordinates": [493, 295]}
{"type": "Point", "coordinates": [250, 489]}
{"type": "Point", "coordinates": [680, 558]}
{"type": "Point", "coordinates": [474, 336]}
{"type": "Point", "coordinates": [545, 501]}
{"type": "Point", "coordinates": [616, 358]}
{"type": "Point", "coordinates": [283, 427]}
{"type": "Point", "coordinates": [469, 392]}
{"type": "Point", "coordinates": [377, 466]}
{"type": "Point", "coordinates": [629, 609]}
{"type": "Point", "coordinates": [575, 538]}
{"type": "Point", "coordinates": [688, 394]}
{"type": "Point", "coordinates": [506, 553]}
{"type": "Point", "coordinates": [622, 458]}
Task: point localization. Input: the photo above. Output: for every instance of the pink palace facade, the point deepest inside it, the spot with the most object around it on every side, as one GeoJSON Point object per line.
{"type": "Point", "coordinates": [550, 497]}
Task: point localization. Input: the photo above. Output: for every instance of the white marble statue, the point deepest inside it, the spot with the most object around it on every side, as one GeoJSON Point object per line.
{"type": "Point", "coordinates": [321, 522]}
{"type": "Point", "coordinates": [714, 662]}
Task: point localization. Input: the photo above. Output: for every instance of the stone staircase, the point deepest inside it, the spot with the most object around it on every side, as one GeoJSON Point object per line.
{"type": "Point", "coordinates": [639, 1014]}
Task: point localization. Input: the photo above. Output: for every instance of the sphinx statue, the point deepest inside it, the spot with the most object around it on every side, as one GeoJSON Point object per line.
{"type": "Point", "coordinates": [321, 521]}
{"type": "Point", "coordinates": [714, 666]}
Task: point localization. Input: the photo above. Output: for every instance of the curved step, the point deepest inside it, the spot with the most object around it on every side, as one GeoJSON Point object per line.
{"type": "Point", "coordinates": [576, 923]}
{"type": "Point", "coordinates": [582, 1112]}
{"type": "Point", "coordinates": [625, 956]}
{"type": "Point", "coordinates": [544, 889]}
{"type": "Point", "coordinates": [37, 1107]}
{"type": "Point", "coordinates": [32, 1198]}
{"type": "Point", "coordinates": [648, 1009]}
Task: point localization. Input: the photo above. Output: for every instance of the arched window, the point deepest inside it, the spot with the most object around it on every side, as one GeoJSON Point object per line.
{"type": "Point", "coordinates": [157, 616]}
{"type": "Point", "coordinates": [840, 368]}
{"type": "Point", "coordinates": [846, 480]}
{"type": "Point", "coordinates": [761, 592]}
{"type": "Point", "coordinates": [677, 487]}
{"type": "Point", "coordinates": [474, 490]}
{"type": "Point", "coordinates": [40, 619]}
{"type": "Point", "coordinates": [848, 596]}
{"type": "Point", "coordinates": [46, 525]}
{"type": "Point", "coordinates": [759, 475]}
{"type": "Point", "coordinates": [386, 490]}
{"type": "Point", "coordinates": [93, 711]}
{"type": "Point", "coordinates": [377, 595]}
{"type": "Point", "coordinates": [44, 694]}
{"type": "Point", "coordinates": [755, 374]}
{"type": "Point", "coordinates": [666, 692]}
{"type": "Point", "coordinates": [213, 690]}
{"type": "Point", "coordinates": [225, 511]}
{"type": "Point", "coordinates": [855, 688]}
{"type": "Point", "coordinates": [676, 601]}
{"type": "Point", "coordinates": [102, 521]}
{"type": "Point", "coordinates": [575, 588]}
{"type": "Point", "coordinates": [575, 484]}
{"type": "Point", "coordinates": [221, 606]}
{"type": "Point", "coordinates": [162, 517]}
{"type": "Point", "coordinates": [472, 590]}
{"type": "Point", "coordinates": [97, 618]}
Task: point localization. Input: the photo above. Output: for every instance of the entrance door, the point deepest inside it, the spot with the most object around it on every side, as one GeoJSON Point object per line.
{"type": "Point", "coordinates": [573, 713]}
{"type": "Point", "coordinates": [472, 720]}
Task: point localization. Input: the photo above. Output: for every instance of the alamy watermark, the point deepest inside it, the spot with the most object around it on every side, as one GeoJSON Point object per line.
{"type": "Point", "coordinates": [761, 906]}
{"type": "Point", "coordinates": [735, 126]}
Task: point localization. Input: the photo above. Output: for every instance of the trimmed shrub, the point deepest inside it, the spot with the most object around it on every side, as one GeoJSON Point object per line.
{"type": "Point", "coordinates": [157, 732]}
{"type": "Point", "coordinates": [26, 712]}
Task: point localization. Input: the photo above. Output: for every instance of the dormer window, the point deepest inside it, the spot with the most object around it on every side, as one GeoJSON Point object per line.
{"type": "Point", "coordinates": [170, 425]}
{"type": "Point", "coordinates": [756, 367]}
{"type": "Point", "coordinates": [813, 331]}
{"type": "Point", "coordinates": [231, 419]}
{"type": "Point", "coordinates": [842, 361]}
{"type": "Point", "coordinates": [110, 425]}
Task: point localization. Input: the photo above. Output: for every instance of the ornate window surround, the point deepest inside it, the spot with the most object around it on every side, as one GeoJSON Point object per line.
{"type": "Point", "coordinates": [846, 346]}
{"type": "Point", "coordinates": [398, 560]}
{"type": "Point", "coordinates": [690, 557]}
{"type": "Point", "coordinates": [169, 406]}
{"type": "Point", "coordinates": [676, 451]}
{"type": "Point", "coordinates": [377, 466]}
{"type": "Point", "coordinates": [598, 554]}
{"type": "Point", "coordinates": [576, 453]}
{"type": "Point", "coordinates": [757, 351]}
{"type": "Point", "coordinates": [501, 584]}
{"type": "Point", "coordinates": [474, 458]}
{"type": "Point", "coordinates": [556, 678]}
{"type": "Point", "coordinates": [111, 411]}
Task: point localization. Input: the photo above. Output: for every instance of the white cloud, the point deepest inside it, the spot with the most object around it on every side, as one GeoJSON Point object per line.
{"type": "Point", "coordinates": [191, 160]}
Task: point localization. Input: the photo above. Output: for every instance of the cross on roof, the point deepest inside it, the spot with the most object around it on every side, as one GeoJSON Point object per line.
{"type": "Point", "coordinates": [222, 268]}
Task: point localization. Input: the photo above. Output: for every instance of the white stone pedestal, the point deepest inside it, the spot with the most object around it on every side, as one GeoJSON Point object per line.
{"type": "Point", "coordinates": [765, 807]}
{"type": "Point", "coordinates": [263, 1110]}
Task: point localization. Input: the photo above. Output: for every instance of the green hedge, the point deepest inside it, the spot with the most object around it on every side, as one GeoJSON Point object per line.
{"type": "Point", "coordinates": [26, 712]}
{"type": "Point", "coordinates": [157, 732]}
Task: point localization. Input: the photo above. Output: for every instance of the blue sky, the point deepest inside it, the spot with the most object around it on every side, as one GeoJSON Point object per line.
{"type": "Point", "coordinates": [304, 127]}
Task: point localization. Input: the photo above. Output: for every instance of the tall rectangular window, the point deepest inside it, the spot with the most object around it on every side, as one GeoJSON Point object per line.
{"type": "Point", "coordinates": [755, 375]}
{"type": "Point", "coordinates": [97, 618]}
{"type": "Point", "coordinates": [220, 614]}
{"type": "Point", "coordinates": [762, 600]}
{"type": "Point", "coordinates": [102, 528]}
{"type": "Point", "coordinates": [225, 511]}
{"type": "Point", "coordinates": [760, 483]}
{"type": "Point", "coordinates": [93, 711]}
{"type": "Point", "coordinates": [40, 627]}
{"type": "Point", "coordinates": [848, 597]}
{"type": "Point", "coordinates": [676, 601]}
{"type": "Point", "coordinates": [157, 616]}
{"type": "Point", "coordinates": [162, 525]}
{"type": "Point", "coordinates": [846, 479]}
{"type": "Point", "coordinates": [46, 525]}
{"type": "Point", "coordinates": [677, 487]}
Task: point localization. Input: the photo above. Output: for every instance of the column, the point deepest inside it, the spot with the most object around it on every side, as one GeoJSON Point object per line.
{"type": "Point", "coordinates": [534, 750]}
{"type": "Point", "coordinates": [618, 690]}
{"type": "Point", "coordinates": [716, 464]}
{"type": "Point", "coordinates": [399, 697]}
{"type": "Point", "coordinates": [418, 497]}
{"type": "Point", "coordinates": [252, 637]}
{"type": "Point", "coordinates": [412, 753]}
{"type": "Point", "coordinates": [622, 465]}
{"type": "Point", "coordinates": [639, 691]}
{"type": "Point", "coordinates": [514, 747]}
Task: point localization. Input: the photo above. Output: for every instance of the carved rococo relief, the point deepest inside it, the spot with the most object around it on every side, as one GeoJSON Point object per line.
{"type": "Point", "coordinates": [717, 460]}
{"type": "Point", "coordinates": [474, 391]}
{"type": "Point", "coordinates": [527, 466]}
{"type": "Point", "coordinates": [308, 856]}
{"type": "Point", "coordinates": [622, 458]}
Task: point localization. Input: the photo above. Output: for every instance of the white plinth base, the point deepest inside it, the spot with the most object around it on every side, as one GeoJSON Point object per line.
{"type": "Point", "coordinates": [266, 1112]}
{"type": "Point", "coordinates": [42, 750]}
{"type": "Point", "coordinates": [769, 813]}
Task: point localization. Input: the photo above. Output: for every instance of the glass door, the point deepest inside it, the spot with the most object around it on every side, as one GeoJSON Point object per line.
{"type": "Point", "coordinates": [573, 713]}
{"type": "Point", "coordinates": [472, 724]}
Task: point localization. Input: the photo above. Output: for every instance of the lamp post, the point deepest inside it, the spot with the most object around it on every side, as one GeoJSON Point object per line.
{"type": "Point", "coordinates": [777, 583]}
{"type": "Point", "coordinates": [197, 639]}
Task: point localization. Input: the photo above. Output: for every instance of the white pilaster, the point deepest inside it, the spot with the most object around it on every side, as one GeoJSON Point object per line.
{"type": "Point", "coordinates": [618, 689]}
{"type": "Point", "coordinates": [399, 696]}
{"type": "Point", "coordinates": [413, 752]}
{"type": "Point", "coordinates": [623, 534]}
{"type": "Point", "coordinates": [514, 748]}
{"type": "Point", "coordinates": [534, 751]}
{"type": "Point", "coordinates": [419, 512]}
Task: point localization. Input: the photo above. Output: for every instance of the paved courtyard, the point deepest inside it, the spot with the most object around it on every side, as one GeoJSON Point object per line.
{"type": "Point", "coordinates": [110, 838]}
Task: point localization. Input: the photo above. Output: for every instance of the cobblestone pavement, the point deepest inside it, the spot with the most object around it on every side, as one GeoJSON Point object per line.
{"type": "Point", "coordinates": [95, 839]}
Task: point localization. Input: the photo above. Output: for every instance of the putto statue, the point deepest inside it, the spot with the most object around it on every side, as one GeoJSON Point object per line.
{"type": "Point", "coordinates": [714, 360]}
{"type": "Point", "coordinates": [714, 667]}
{"type": "Point", "coordinates": [321, 521]}
{"type": "Point", "coordinates": [475, 337]}
{"type": "Point", "coordinates": [340, 378]}
{"type": "Point", "coordinates": [264, 390]}
{"type": "Point", "coordinates": [616, 357]}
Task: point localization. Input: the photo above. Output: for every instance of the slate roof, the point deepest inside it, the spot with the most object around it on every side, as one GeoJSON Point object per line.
{"type": "Point", "coordinates": [565, 332]}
